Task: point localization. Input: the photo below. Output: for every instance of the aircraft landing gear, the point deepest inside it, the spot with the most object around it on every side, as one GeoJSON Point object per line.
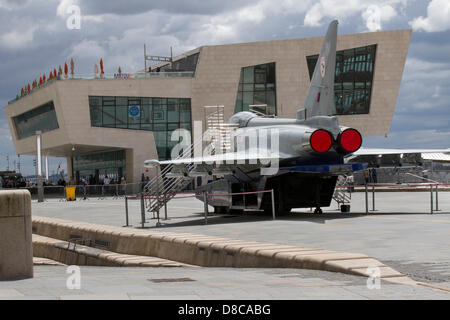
{"type": "Point", "coordinates": [318, 211]}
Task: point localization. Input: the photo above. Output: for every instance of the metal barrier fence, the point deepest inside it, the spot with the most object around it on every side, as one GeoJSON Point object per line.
{"type": "Point", "coordinates": [193, 194]}
{"type": "Point", "coordinates": [433, 188]}
{"type": "Point", "coordinates": [89, 191]}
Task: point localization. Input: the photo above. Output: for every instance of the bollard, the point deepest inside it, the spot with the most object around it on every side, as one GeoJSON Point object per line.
{"type": "Point", "coordinates": [158, 224]}
{"type": "Point", "coordinates": [205, 200]}
{"type": "Point", "coordinates": [165, 207]}
{"type": "Point", "coordinates": [273, 204]}
{"type": "Point", "coordinates": [367, 200]}
{"type": "Point", "coordinates": [437, 199]}
{"type": "Point", "coordinates": [431, 197]}
{"type": "Point", "coordinates": [126, 213]}
{"type": "Point", "coordinates": [142, 211]}
{"type": "Point", "coordinates": [373, 198]}
{"type": "Point", "coordinates": [16, 249]}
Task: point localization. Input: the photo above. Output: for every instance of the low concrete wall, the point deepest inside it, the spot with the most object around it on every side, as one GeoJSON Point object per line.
{"type": "Point", "coordinates": [71, 254]}
{"type": "Point", "coordinates": [208, 251]}
{"type": "Point", "coordinates": [16, 251]}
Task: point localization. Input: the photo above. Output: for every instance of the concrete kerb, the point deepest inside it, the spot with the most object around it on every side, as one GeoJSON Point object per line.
{"type": "Point", "coordinates": [202, 250]}
{"type": "Point", "coordinates": [57, 250]}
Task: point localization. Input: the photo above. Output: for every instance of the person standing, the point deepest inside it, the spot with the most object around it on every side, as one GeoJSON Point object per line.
{"type": "Point", "coordinates": [374, 175]}
{"type": "Point", "coordinates": [142, 181]}
{"type": "Point", "coordinates": [366, 176]}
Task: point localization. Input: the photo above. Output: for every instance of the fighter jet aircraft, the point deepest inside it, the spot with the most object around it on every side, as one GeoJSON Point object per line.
{"type": "Point", "coordinates": [300, 159]}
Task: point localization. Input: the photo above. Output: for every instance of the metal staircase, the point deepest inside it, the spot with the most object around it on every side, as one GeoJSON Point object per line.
{"type": "Point", "coordinates": [341, 194]}
{"type": "Point", "coordinates": [165, 185]}
{"type": "Point", "coordinates": [172, 180]}
{"type": "Point", "coordinates": [218, 129]}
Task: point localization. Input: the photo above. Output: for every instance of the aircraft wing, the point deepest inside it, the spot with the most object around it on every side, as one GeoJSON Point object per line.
{"type": "Point", "coordinates": [248, 156]}
{"type": "Point", "coordinates": [379, 157]}
{"type": "Point", "coordinates": [381, 151]}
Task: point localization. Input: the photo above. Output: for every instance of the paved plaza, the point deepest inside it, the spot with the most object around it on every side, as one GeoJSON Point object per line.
{"type": "Point", "coordinates": [401, 233]}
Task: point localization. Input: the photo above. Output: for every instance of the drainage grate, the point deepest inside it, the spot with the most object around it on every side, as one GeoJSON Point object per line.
{"type": "Point", "coordinates": [74, 236]}
{"type": "Point", "coordinates": [102, 243]}
{"type": "Point", "coordinates": [171, 280]}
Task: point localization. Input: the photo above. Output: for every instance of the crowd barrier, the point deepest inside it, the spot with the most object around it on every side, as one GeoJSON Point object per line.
{"type": "Point", "coordinates": [83, 192]}
{"type": "Point", "coordinates": [194, 194]}
{"type": "Point", "coordinates": [433, 188]}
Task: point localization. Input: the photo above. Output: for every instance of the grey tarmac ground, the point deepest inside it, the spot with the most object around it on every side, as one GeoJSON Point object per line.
{"type": "Point", "coordinates": [401, 234]}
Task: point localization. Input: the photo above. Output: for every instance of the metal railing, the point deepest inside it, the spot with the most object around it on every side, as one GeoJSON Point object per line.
{"type": "Point", "coordinates": [116, 76]}
{"type": "Point", "coordinates": [89, 191]}
{"type": "Point", "coordinates": [432, 188]}
{"type": "Point", "coordinates": [205, 195]}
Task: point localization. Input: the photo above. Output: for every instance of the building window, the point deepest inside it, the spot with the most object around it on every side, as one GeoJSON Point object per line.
{"type": "Point", "coordinates": [257, 87]}
{"type": "Point", "coordinates": [160, 115]}
{"type": "Point", "coordinates": [353, 79]}
{"type": "Point", "coordinates": [95, 167]}
{"type": "Point", "coordinates": [42, 118]}
{"type": "Point", "coordinates": [188, 63]}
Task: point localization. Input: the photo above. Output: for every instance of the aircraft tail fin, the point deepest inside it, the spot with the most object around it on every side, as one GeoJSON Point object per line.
{"type": "Point", "coordinates": [320, 98]}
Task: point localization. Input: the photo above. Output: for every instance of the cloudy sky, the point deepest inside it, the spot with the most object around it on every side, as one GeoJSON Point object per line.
{"type": "Point", "coordinates": [37, 35]}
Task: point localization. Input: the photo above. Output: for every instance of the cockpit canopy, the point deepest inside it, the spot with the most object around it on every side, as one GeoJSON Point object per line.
{"type": "Point", "coordinates": [242, 118]}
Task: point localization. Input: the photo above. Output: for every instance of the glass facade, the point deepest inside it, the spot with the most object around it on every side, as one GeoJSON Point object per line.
{"type": "Point", "coordinates": [353, 79]}
{"type": "Point", "coordinates": [99, 165]}
{"type": "Point", "coordinates": [160, 115]}
{"type": "Point", "coordinates": [42, 118]}
{"type": "Point", "coordinates": [257, 87]}
{"type": "Point", "coordinates": [188, 63]}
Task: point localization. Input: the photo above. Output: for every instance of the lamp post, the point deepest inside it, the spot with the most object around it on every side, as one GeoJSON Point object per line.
{"type": "Point", "coordinates": [39, 167]}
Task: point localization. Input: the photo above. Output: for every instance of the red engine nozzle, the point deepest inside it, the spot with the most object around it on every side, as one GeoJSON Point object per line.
{"type": "Point", "coordinates": [320, 141]}
{"type": "Point", "coordinates": [350, 140]}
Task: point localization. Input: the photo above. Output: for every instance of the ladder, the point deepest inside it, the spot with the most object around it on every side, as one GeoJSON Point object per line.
{"type": "Point", "coordinates": [341, 194]}
{"type": "Point", "coordinates": [165, 184]}
{"type": "Point", "coordinates": [218, 129]}
{"type": "Point", "coordinates": [163, 187]}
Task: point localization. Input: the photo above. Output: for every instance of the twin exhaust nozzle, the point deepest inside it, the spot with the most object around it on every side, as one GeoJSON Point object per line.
{"type": "Point", "coordinates": [321, 140]}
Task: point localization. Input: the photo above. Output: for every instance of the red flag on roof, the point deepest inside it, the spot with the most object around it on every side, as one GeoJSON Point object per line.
{"type": "Point", "coordinates": [101, 66]}
{"type": "Point", "coordinates": [66, 70]}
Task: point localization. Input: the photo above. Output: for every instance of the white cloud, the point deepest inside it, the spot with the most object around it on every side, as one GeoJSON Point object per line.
{"type": "Point", "coordinates": [13, 4]}
{"type": "Point", "coordinates": [372, 11]}
{"type": "Point", "coordinates": [18, 38]}
{"type": "Point", "coordinates": [375, 14]}
{"type": "Point", "coordinates": [63, 7]}
{"type": "Point", "coordinates": [88, 48]}
{"type": "Point", "coordinates": [438, 17]}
